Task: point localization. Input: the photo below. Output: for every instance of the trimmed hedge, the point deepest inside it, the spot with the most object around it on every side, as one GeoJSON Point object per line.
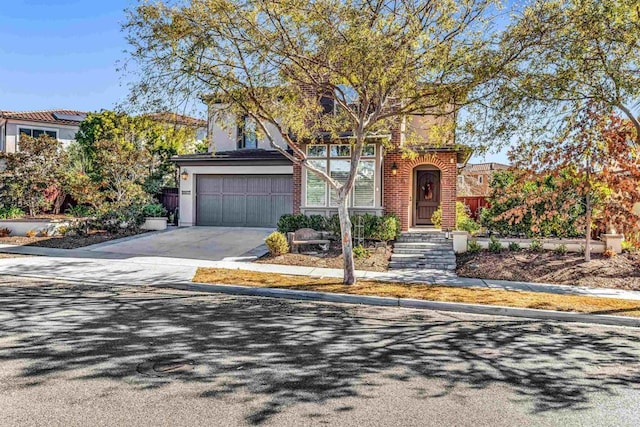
{"type": "Point", "coordinates": [383, 228]}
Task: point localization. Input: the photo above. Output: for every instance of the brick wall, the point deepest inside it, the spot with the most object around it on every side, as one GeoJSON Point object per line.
{"type": "Point", "coordinates": [398, 189]}
{"type": "Point", "coordinates": [297, 188]}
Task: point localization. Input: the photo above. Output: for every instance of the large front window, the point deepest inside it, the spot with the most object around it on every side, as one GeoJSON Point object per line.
{"type": "Point", "coordinates": [336, 160]}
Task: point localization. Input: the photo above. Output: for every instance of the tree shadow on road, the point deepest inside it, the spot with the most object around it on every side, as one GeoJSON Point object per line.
{"type": "Point", "coordinates": [283, 353]}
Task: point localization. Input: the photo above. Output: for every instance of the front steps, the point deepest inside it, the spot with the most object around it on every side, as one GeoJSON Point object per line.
{"type": "Point", "coordinates": [429, 250]}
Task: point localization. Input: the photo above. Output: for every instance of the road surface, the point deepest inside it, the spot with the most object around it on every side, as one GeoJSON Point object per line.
{"type": "Point", "coordinates": [80, 354]}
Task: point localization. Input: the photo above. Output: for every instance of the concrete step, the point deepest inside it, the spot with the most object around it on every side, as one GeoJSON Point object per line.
{"type": "Point", "coordinates": [444, 242]}
{"type": "Point", "coordinates": [423, 245]}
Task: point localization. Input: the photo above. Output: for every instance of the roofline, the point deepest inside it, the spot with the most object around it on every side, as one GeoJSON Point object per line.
{"type": "Point", "coordinates": [25, 121]}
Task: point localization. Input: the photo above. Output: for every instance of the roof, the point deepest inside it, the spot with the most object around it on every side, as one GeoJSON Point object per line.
{"type": "Point", "coordinates": [59, 117]}
{"type": "Point", "coordinates": [484, 167]}
{"type": "Point", "coordinates": [178, 119]}
{"type": "Point", "coordinates": [247, 155]}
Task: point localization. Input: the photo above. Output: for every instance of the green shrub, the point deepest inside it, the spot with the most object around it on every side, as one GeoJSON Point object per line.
{"type": "Point", "coordinates": [536, 245]}
{"type": "Point", "coordinates": [473, 246]}
{"type": "Point", "coordinates": [629, 246]}
{"type": "Point", "coordinates": [11, 212]}
{"type": "Point", "coordinates": [79, 211]}
{"type": "Point", "coordinates": [561, 249]}
{"type": "Point", "coordinates": [436, 217]}
{"type": "Point", "coordinates": [154, 210]}
{"type": "Point", "coordinates": [494, 245]}
{"type": "Point", "coordinates": [317, 222]}
{"type": "Point", "coordinates": [289, 223]}
{"type": "Point", "coordinates": [383, 228]}
{"type": "Point", "coordinates": [360, 252]}
{"type": "Point", "coordinates": [277, 243]}
{"type": "Point", "coordinates": [464, 222]}
{"type": "Point", "coordinates": [389, 228]}
{"type": "Point", "coordinates": [114, 220]}
{"type": "Point", "coordinates": [333, 225]}
{"type": "Point", "coordinates": [514, 247]}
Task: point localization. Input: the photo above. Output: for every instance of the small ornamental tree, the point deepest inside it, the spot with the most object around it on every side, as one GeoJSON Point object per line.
{"type": "Point", "coordinates": [372, 63]}
{"type": "Point", "coordinates": [597, 161]}
{"type": "Point", "coordinates": [123, 169]}
{"type": "Point", "coordinates": [32, 177]}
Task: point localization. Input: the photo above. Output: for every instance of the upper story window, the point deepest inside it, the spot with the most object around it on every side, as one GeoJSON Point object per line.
{"type": "Point", "coordinates": [480, 179]}
{"type": "Point", "coordinates": [247, 135]}
{"type": "Point", "coordinates": [37, 133]}
{"type": "Point", "coordinates": [34, 133]}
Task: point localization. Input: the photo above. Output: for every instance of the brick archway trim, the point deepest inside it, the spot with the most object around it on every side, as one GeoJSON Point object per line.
{"type": "Point", "coordinates": [425, 159]}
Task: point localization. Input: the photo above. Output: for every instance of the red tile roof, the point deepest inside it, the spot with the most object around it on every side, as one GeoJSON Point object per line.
{"type": "Point", "coordinates": [484, 167]}
{"type": "Point", "coordinates": [46, 116]}
{"type": "Point", "coordinates": [178, 119]}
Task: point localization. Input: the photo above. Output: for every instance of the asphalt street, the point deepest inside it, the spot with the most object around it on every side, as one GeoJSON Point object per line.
{"type": "Point", "coordinates": [79, 354]}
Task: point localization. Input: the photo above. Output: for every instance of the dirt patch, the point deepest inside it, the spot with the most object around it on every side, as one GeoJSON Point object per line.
{"type": "Point", "coordinates": [65, 242]}
{"type": "Point", "coordinates": [538, 300]}
{"type": "Point", "coordinates": [378, 259]}
{"type": "Point", "coordinates": [621, 272]}
{"type": "Point", "coordinates": [2, 256]}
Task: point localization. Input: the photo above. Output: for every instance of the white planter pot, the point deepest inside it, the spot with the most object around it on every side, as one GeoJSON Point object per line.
{"type": "Point", "coordinates": [154, 223]}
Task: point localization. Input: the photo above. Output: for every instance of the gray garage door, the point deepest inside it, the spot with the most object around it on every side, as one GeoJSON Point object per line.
{"type": "Point", "coordinates": [243, 200]}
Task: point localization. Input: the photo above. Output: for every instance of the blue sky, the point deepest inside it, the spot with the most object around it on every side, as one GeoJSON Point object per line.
{"type": "Point", "coordinates": [61, 54]}
{"type": "Point", "coordinates": [65, 53]}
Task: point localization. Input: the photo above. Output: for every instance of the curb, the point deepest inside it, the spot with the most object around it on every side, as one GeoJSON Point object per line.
{"type": "Point", "coordinates": [492, 310]}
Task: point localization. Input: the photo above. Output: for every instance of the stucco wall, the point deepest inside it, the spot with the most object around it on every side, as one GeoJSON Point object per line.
{"type": "Point", "coordinates": [188, 186]}
{"type": "Point", "coordinates": [223, 132]}
{"type": "Point", "coordinates": [66, 134]}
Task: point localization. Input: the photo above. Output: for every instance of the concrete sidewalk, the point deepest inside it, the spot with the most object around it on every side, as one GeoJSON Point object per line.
{"type": "Point", "coordinates": [93, 265]}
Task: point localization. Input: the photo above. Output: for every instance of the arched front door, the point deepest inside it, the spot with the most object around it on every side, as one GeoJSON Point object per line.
{"type": "Point", "coordinates": [427, 196]}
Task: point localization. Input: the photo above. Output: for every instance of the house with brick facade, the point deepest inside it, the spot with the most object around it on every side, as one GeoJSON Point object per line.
{"type": "Point", "coordinates": [243, 182]}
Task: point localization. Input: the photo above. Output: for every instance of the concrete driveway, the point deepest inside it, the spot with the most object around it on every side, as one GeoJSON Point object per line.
{"type": "Point", "coordinates": [206, 243]}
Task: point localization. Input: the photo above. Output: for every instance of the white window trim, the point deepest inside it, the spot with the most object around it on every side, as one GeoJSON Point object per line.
{"type": "Point", "coordinates": [327, 158]}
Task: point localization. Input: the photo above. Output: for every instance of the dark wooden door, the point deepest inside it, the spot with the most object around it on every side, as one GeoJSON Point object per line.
{"type": "Point", "coordinates": [427, 194]}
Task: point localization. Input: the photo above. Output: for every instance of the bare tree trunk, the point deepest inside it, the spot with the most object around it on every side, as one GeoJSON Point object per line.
{"type": "Point", "coordinates": [347, 245]}
{"type": "Point", "coordinates": [587, 242]}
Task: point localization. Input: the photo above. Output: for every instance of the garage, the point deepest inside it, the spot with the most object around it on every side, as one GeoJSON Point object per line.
{"type": "Point", "coordinates": [242, 200]}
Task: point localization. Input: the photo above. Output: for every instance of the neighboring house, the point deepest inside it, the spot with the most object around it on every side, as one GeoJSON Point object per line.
{"type": "Point", "coordinates": [60, 124]}
{"type": "Point", "coordinates": [474, 179]}
{"type": "Point", "coordinates": [199, 125]}
{"type": "Point", "coordinates": [242, 181]}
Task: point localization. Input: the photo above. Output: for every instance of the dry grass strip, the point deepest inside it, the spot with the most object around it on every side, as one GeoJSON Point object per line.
{"type": "Point", "coordinates": [519, 299]}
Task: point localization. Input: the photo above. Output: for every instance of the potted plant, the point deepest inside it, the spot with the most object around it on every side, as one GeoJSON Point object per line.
{"type": "Point", "coordinates": [155, 217]}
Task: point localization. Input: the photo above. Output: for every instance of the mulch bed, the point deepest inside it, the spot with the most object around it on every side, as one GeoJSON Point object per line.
{"type": "Point", "coordinates": [378, 259]}
{"type": "Point", "coordinates": [65, 242]}
{"type": "Point", "coordinates": [621, 272]}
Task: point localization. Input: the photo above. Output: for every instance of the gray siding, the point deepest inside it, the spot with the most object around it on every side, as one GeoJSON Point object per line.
{"type": "Point", "coordinates": [243, 201]}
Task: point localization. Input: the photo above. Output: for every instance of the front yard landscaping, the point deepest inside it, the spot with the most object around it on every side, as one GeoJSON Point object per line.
{"type": "Point", "coordinates": [376, 260]}
{"type": "Point", "coordinates": [536, 300]}
{"type": "Point", "coordinates": [622, 271]}
{"type": "Point", "coordinates": [67, 241]}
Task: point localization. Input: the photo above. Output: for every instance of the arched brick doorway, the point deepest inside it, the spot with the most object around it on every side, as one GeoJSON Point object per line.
{"type": "Point", "coordinates": [401, 191]}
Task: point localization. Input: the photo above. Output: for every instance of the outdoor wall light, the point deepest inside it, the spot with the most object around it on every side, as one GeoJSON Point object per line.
{"type": "Point", "coordinates": [394, 169]}
{"type": "Point", "coordinates": [184, 175]}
